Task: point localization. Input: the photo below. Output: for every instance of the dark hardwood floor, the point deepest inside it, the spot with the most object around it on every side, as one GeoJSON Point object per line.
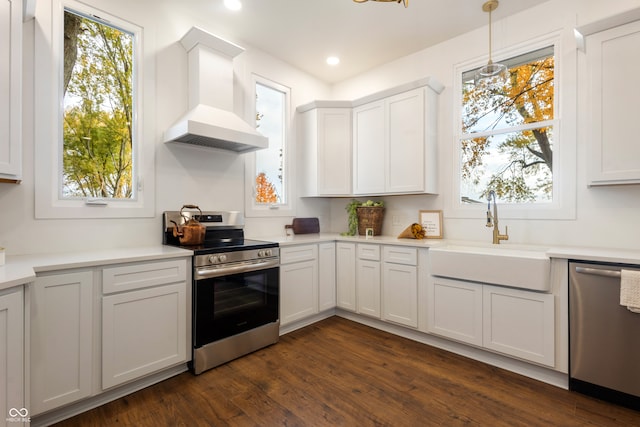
{"type": "Point", "coordinates": [340, 373]}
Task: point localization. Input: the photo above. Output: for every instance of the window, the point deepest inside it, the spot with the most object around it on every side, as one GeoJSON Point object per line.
{"type": "Point", "coordinates": [491, 149]}
{"type": "Point", "coordinates": [98, 135]}
{"type": "Point", "coordinates": [92, 161]}
{"type": "Point", "coordinates": [507, 132]}
{"type": "Point", "coordinates": [268, 169]}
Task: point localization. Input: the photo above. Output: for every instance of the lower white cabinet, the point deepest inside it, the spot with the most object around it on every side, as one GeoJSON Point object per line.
{"type": "Point", "coordinates": [298, 282]}
{"type": "Point", "coordinates": [368, 280]}
{"type": "Point", "coordinates": [62, 339]}
{"type": "Point", "coordinates": [519, 323]}
{"type": "Point", "coordinates": [346, 276]}
{"type": "Point", "coordinates": [143, 331]}
{"type": "Point", "coordinates": [510, 321]}
{"type": "Point", "coordinates": [139, 325]}
{"type": "Point", "coordinates": [12, 356]}
{"type": "Point", "coordinates": [326, 276]}
{"type": "Point", "coordinates": [455, 310]}
{"type": "Point", "coordinates": [400, 285]}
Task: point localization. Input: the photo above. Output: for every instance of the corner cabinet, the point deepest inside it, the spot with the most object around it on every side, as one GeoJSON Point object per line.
{"type": "Point", "coordinates": [326, 149]}
{"type": "Point", "coordinates": [11, 90]}
{"type": "Point", "coordinates": [613, 63]}
{"type": "Point", "coordinates": [346, 276]}
{"type": "Point", "coordinates": [95, 328]}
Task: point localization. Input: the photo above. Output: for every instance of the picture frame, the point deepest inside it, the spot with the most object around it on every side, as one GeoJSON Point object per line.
{"type": "Point", "coordinates": [431, 222]}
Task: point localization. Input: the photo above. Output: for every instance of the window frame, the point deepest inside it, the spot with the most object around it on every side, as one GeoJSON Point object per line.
{"type": "Point", "coordinates": [49, 202]}
{"type": "Point", "coordinates": [253, 209]}
{"type": "Point", "coordinates": [562, 205]}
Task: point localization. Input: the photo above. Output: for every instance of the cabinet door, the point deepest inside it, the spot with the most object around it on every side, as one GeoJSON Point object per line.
{"type": "Point", "coordinates": [613, 61]}
{"type": "Point", "coordinates": [368, 284]}
{"type": "Point", "coordinates": [455, 310]}
{"type": "Point", "coordinates": [143, 331]}
{"type": "Point", "coordinates": [520, 323]}
{"type": "Point", "coordinates": [11, 353]}
{"type": "Point", "coordinates": [334, 151]}
{"type": "Point", "coordinates": [326, 276]}
{"type": "Point", "coordinates": [400, 294]}
{"type": "Point", "coordinates": [369, 148]}
{"type": "Point", "coordinates": [405, 146]}
{"type": "Point", "coordinates": [298, 291]}
{"type": "Point", "coordinates": [346, 276]}
{"type": "Point", "coordinates": [61, 339]}
{"type": "Point", "coordinates": [11, 90]}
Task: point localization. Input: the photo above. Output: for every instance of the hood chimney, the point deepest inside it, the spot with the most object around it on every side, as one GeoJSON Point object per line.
{"type": "Point", "coordinates": [210, 120]}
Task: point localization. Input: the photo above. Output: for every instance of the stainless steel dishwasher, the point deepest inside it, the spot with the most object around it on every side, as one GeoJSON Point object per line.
{"type": "Point", "coordinates": [604, 336]}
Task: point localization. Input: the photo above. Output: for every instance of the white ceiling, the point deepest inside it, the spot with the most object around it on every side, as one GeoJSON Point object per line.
{"type": "Point", "coordinates": [364, 35]}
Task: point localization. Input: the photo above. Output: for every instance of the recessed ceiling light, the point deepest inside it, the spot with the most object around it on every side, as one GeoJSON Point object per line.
{"type": "Point", "coordinates": [333, 60]}
{"type": "Point", "coordinates": [233, 4]}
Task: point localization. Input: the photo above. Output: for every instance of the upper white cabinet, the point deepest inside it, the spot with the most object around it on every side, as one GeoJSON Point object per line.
{"type": "Point", "coordinates": [613, 64]}
{"type": "Point", "coordinates": [10, 91]}
{"type": "Point", "coordinates": [326, 150]}
{"type": "Point", "coordinates": [394, 141]}
{"type": "Point", "coordinates": [384, 143]}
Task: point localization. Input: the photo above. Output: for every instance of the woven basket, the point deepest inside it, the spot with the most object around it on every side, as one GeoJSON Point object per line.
{"type": "Point", "coordinates": [370, 217]}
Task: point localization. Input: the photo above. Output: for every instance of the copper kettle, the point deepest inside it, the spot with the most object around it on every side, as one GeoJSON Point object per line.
{"type": "Point", "coordinates": [191, 233]}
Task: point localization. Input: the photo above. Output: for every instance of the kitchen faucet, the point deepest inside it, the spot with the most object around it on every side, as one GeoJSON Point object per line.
{"type": "Point", "coordinates": [492, 220]}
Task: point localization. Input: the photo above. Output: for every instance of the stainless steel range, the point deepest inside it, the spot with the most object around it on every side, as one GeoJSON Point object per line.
{"type": "Point", "coordinates": [235, 288]}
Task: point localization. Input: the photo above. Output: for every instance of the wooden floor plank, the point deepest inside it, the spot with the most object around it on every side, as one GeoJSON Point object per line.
{"type": "Point", "coordinates": [341, 373]}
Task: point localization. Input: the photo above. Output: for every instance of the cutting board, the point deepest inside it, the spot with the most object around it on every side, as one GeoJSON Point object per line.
{"type": "Point", "coordinates": [305, 225]}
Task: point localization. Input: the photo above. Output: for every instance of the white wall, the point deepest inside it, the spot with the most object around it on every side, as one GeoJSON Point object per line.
{"type": "Point", "coordinates": [606, 216]}
{"type": "Point", "coordinates": [184, 174]}
{"type": "Point", "coordinates": [215, 180]}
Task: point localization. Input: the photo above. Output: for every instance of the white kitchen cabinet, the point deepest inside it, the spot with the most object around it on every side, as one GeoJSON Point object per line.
{"type": "Point", "coordinates": [394, 143]}
{"type": "Point", "coordinates": [519, 323]}
{"type": "Point", "coordinates": [346, 276]}
{"type": "Point", "coordinates": [613, 61]}
{"type": "Point", "coordinates": [298, 282]}
{"type": "Point", "coordinates": [11, 90]}
{"type": "Point", "coordinates": [400, 285]}
{"type": "Point", "coordinates": [62, 339]}
{"type": "Point", "coordinates": [326, 276]}
{"type": "Point", "coordinates": [144, 319]}
{"type": "Point", "coordinates": [510, 321]}
{"type": "Point", "coordinates": [455, 310]}
{"type": "Point", "coordinates": [368, 280]}
{"type": "Point", "coordinates": [369, 145]}
{"type": "Point", "coordinates": [11, 354]}
{"type": "Point", "coordinates": [325, 150]}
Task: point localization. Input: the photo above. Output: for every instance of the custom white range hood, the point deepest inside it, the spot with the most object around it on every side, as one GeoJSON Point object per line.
{"type": "Point", "coordinates": [210, 121]}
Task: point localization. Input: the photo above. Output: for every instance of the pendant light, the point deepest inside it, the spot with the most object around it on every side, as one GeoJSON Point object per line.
{"type": "Point", "coordinates": [492, 73]}
{"type": "Point", "coordinates": [406, 2]}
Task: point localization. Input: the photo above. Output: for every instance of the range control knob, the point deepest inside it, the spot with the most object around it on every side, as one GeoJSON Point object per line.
{"type": "Point", "coordinates": [213, 259]}
{"type": "Point", "coordinates": [222, 258]}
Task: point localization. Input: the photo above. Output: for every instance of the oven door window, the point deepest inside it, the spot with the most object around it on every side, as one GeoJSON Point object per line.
{"type": "Point", "coordinates": [228, 305]}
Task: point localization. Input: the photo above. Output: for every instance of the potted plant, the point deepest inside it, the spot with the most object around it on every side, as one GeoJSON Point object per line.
{"type": "Point", "coordinates": [364, 215]}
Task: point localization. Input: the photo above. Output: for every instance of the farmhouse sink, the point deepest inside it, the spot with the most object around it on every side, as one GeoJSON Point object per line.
{"type": "Point", "coordinates": [518, 266]}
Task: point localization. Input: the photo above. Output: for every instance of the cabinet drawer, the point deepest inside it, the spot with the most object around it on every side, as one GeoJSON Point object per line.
{"type": "Point", "coordinates": [144, 275]}
{"type": "Point", "coordinates": [400, 255]}
{"type": "Point", "coordinates": [371, 252]}
{"type": "Point", "coordinates": [291, 254]}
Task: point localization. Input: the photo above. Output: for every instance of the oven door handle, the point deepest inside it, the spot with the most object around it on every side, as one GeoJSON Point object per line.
{"type": "Point", "coordinates": [245, 267]}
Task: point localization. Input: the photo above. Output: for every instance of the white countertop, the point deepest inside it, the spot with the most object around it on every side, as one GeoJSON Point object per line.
{"type": "Point", "coordinates": [22, 269]}
{"type": "Point", "coordinates": [614, 255]}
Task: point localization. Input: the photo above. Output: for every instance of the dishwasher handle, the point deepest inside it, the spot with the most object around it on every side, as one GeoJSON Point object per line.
{"type": "Point", "coordinates": [598, 272]}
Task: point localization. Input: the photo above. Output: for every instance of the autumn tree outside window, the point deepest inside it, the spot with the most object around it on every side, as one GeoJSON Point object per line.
{"type": "Point", "coordinates": [507, 132]}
